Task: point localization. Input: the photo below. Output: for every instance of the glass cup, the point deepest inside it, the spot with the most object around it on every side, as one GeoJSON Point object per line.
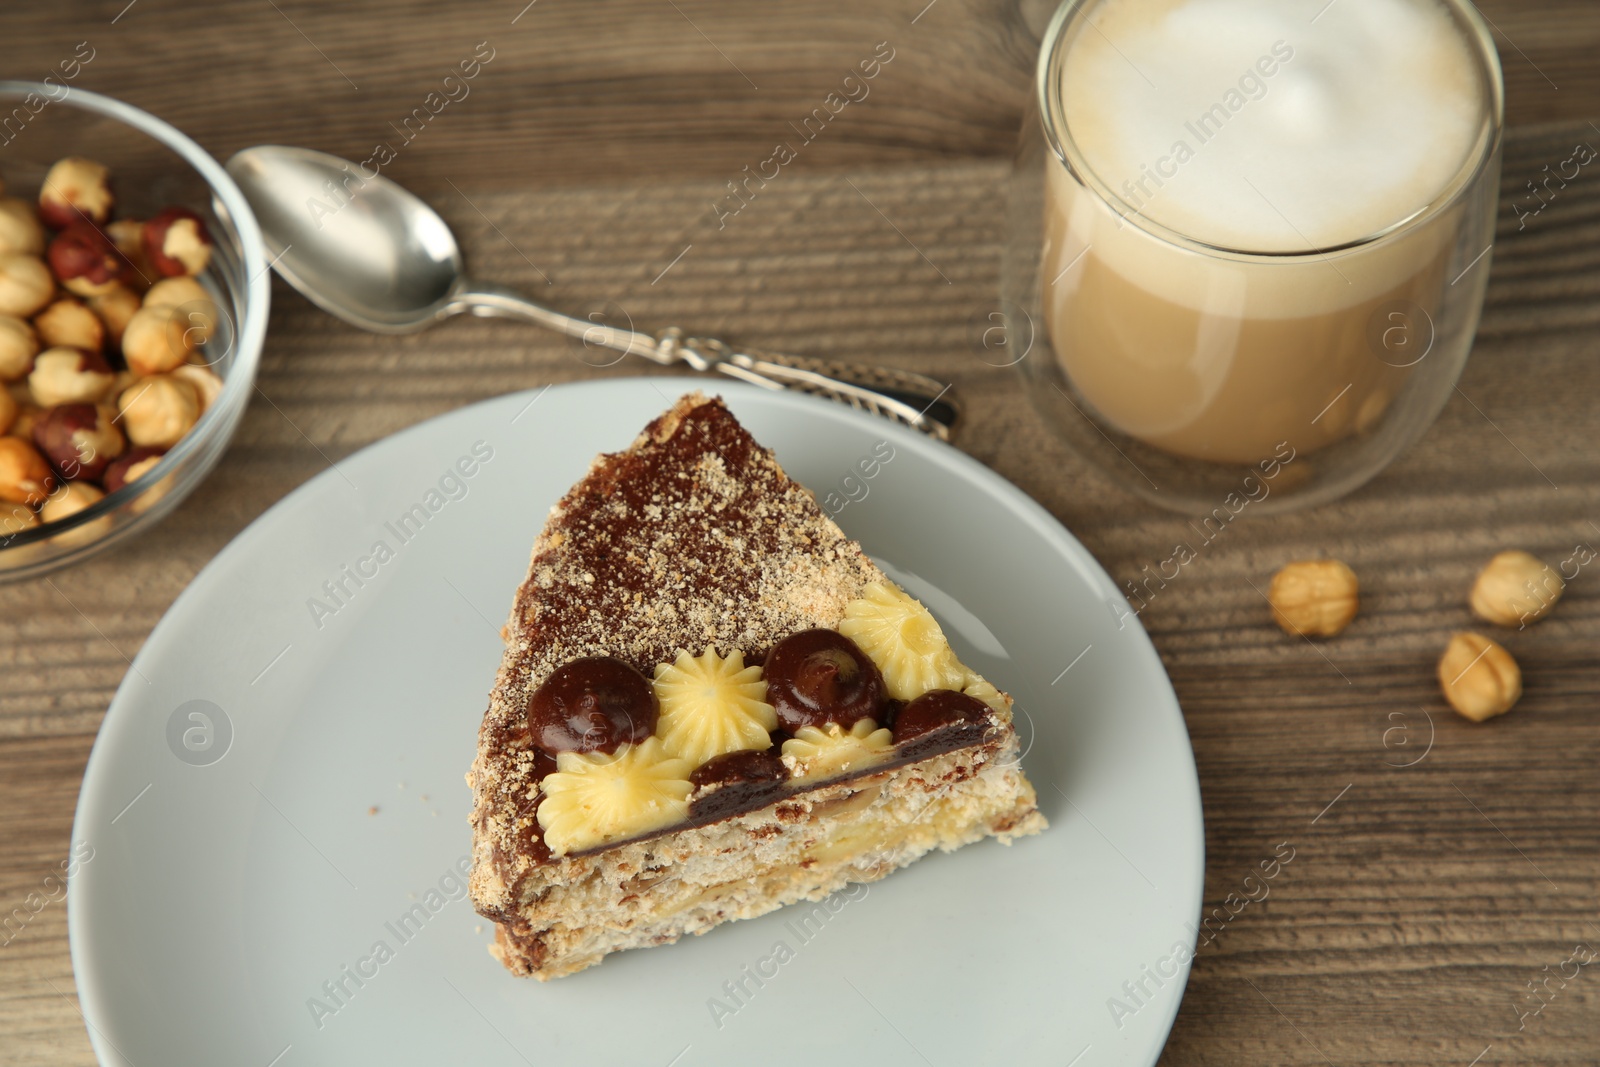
{"type": "Point", "coordinates": [1203, 377]}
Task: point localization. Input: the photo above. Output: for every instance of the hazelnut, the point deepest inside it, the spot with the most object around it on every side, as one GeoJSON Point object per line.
{"type": "Point", "coordinates": [26, 284]}
{"type": "Point", "coordinates": [70, 499]}
{"type": "Point", "coordinates": [1479, 678]}
{"type": "Point", "coordinates": [8, 410]}
{"type": "Point", "coordinates": [86, 261]}
{"type": "Point", "coordinates": [14, 518]}
{"type": "Point", "coordinates": [69, 323]}
{"type": "Point", "coordinates": [19, 227]}
{"type": "Point", "coordinates": [156, 340]}
{"type": "Point", "coordinates": [177, 242]}
{"type": "Point", "coordinates": [1515, 588]}
{"type": "Point", "coordinates": [69, 376]}
{"type": "Point", "coordinates": [1314, 597]}
{"type": "Point", "coordinates": [25, 478]}
{"type": "Point", "coordinates": [75, 187]}
{"type": "Point", "coordinates": [79, 440]}
{"type": "Point", "coordinates": [18, 346]}
{"type": "Point", "coordinates": [159, 410]}
{"type": "Point", "coordinates": [193, 303]}
{"type": "Point", "coordinates": [28, 416]}
{"type": "Point", "coordinates": [207, 386]}
{"type": "Point", "coordinates": [127, 236]}
{"type": "Point", "coordinates": [115, 307]}
{"type": "Point", "coordinates": [130, 467]}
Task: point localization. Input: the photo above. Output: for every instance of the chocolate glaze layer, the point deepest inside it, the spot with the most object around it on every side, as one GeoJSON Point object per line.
{"type": "Point", "coordinates": [940, 711]}
{"type": "Point", "coordinates": [736, 782]}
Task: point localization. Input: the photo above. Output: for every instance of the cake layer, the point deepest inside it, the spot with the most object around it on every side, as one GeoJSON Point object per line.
{"type": "Point", "coordinates": [803, 848]}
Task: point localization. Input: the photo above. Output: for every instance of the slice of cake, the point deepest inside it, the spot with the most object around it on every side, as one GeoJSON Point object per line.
{"type": "Point", "coordinates": [713, 704]}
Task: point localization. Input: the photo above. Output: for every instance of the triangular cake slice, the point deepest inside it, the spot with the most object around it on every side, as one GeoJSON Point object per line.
{"type": "Point", "coordinates": [713, 704]}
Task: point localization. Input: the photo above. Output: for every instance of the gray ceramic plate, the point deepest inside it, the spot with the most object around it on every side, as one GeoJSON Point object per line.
{"type": "Point", "coordinates": [273, 818]}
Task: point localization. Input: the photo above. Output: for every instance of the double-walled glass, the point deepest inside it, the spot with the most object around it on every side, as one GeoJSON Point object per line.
{"type": "Point", "coordinates": [1201, 376]}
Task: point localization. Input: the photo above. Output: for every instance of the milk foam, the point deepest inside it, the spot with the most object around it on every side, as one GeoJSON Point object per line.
{"type": "Point", "coordinates": [1244, 124]}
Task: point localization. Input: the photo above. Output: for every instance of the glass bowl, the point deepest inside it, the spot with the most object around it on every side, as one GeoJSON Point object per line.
{"type": "Point", "coordinates": [152, 166]}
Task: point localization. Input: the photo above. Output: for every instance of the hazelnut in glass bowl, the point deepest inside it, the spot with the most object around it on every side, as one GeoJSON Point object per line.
{"type": "Point", "coordinates": [133, 303]}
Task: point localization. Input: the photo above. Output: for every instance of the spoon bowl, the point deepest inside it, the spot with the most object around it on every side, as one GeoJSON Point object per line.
{"type": "Point", "coordinates": [358, 246]}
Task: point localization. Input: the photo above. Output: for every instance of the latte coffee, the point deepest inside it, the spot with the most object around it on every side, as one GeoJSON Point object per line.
{"type": "Point", "coordinates": [1251, 227]}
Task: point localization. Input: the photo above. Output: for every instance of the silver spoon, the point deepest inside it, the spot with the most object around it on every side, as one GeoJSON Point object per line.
{"type": "Point", "coordinates": [366, 250]}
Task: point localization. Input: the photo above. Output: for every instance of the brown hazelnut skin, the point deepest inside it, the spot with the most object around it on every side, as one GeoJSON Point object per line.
{"type": "Point", "coordinates": [79, 440]}
{"type": "Point", "coordinates": [19, 227]}
{"type": "Point", "coordinates": [158, 411]}
{"type": "Point", "coordinates": [26, 285]}
{"type": "Point", "coordinates": [176, 242]}
{"type": "Point", "coordinates": [155, 341]}
{"type": "Point", "coordinates": [85, 260]}
{"type": "Point", "coordinates": [69, 500]}
{"type": "Point", "coordinates": [8, 410]}
{"type": "Point", "coordinates": [75, 188]}
{"type": "Point", "coordinates": [69, 323]}
{"type": "Point", "coordinates": [115, 308]}
{"type": "Point", "coordinates": [18, 345]}
{"type": "Point", "coordinates": [25, 477]}
{"type": "Point", "coordinates": [69, 376]}
{"type": "Point", "coordinates": [130, 467]}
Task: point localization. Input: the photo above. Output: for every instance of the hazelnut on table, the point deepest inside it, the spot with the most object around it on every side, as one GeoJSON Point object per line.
{"type": "Point", "coordinates": [157, 411]}
{"type": "Point", "coordinates": [1314, 597]}
{"type": "Point", "coordinates": [75, 187]}
{"type": "Point", "coordinates": [26, 284]}
{"type": "Point", "coordinates": [25, 477]}
{"type": "Point", "coordinates": [69, 376]}
{"type": "Point", "coordinates": [1479, 678]}
{"type": "Point", "coordinates": [1515, 588]}
{"type": "Point", "coordinates": [69, 322]}
{"type": "Point", "coordinates": [19, 227]}
{"type": "Point", "coordinates": [18, 345]}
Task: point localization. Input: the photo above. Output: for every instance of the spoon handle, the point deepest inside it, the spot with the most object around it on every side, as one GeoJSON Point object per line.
{"type": "Point", "coordinates": [914, 400]}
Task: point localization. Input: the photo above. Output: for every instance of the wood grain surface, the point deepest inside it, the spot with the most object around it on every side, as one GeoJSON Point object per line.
{"type": "Point", "coordinates": [1422, 899]}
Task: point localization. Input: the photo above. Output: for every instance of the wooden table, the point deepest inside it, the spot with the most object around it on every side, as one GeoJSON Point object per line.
{"type": "Point", "coordinates": [584, 164]}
